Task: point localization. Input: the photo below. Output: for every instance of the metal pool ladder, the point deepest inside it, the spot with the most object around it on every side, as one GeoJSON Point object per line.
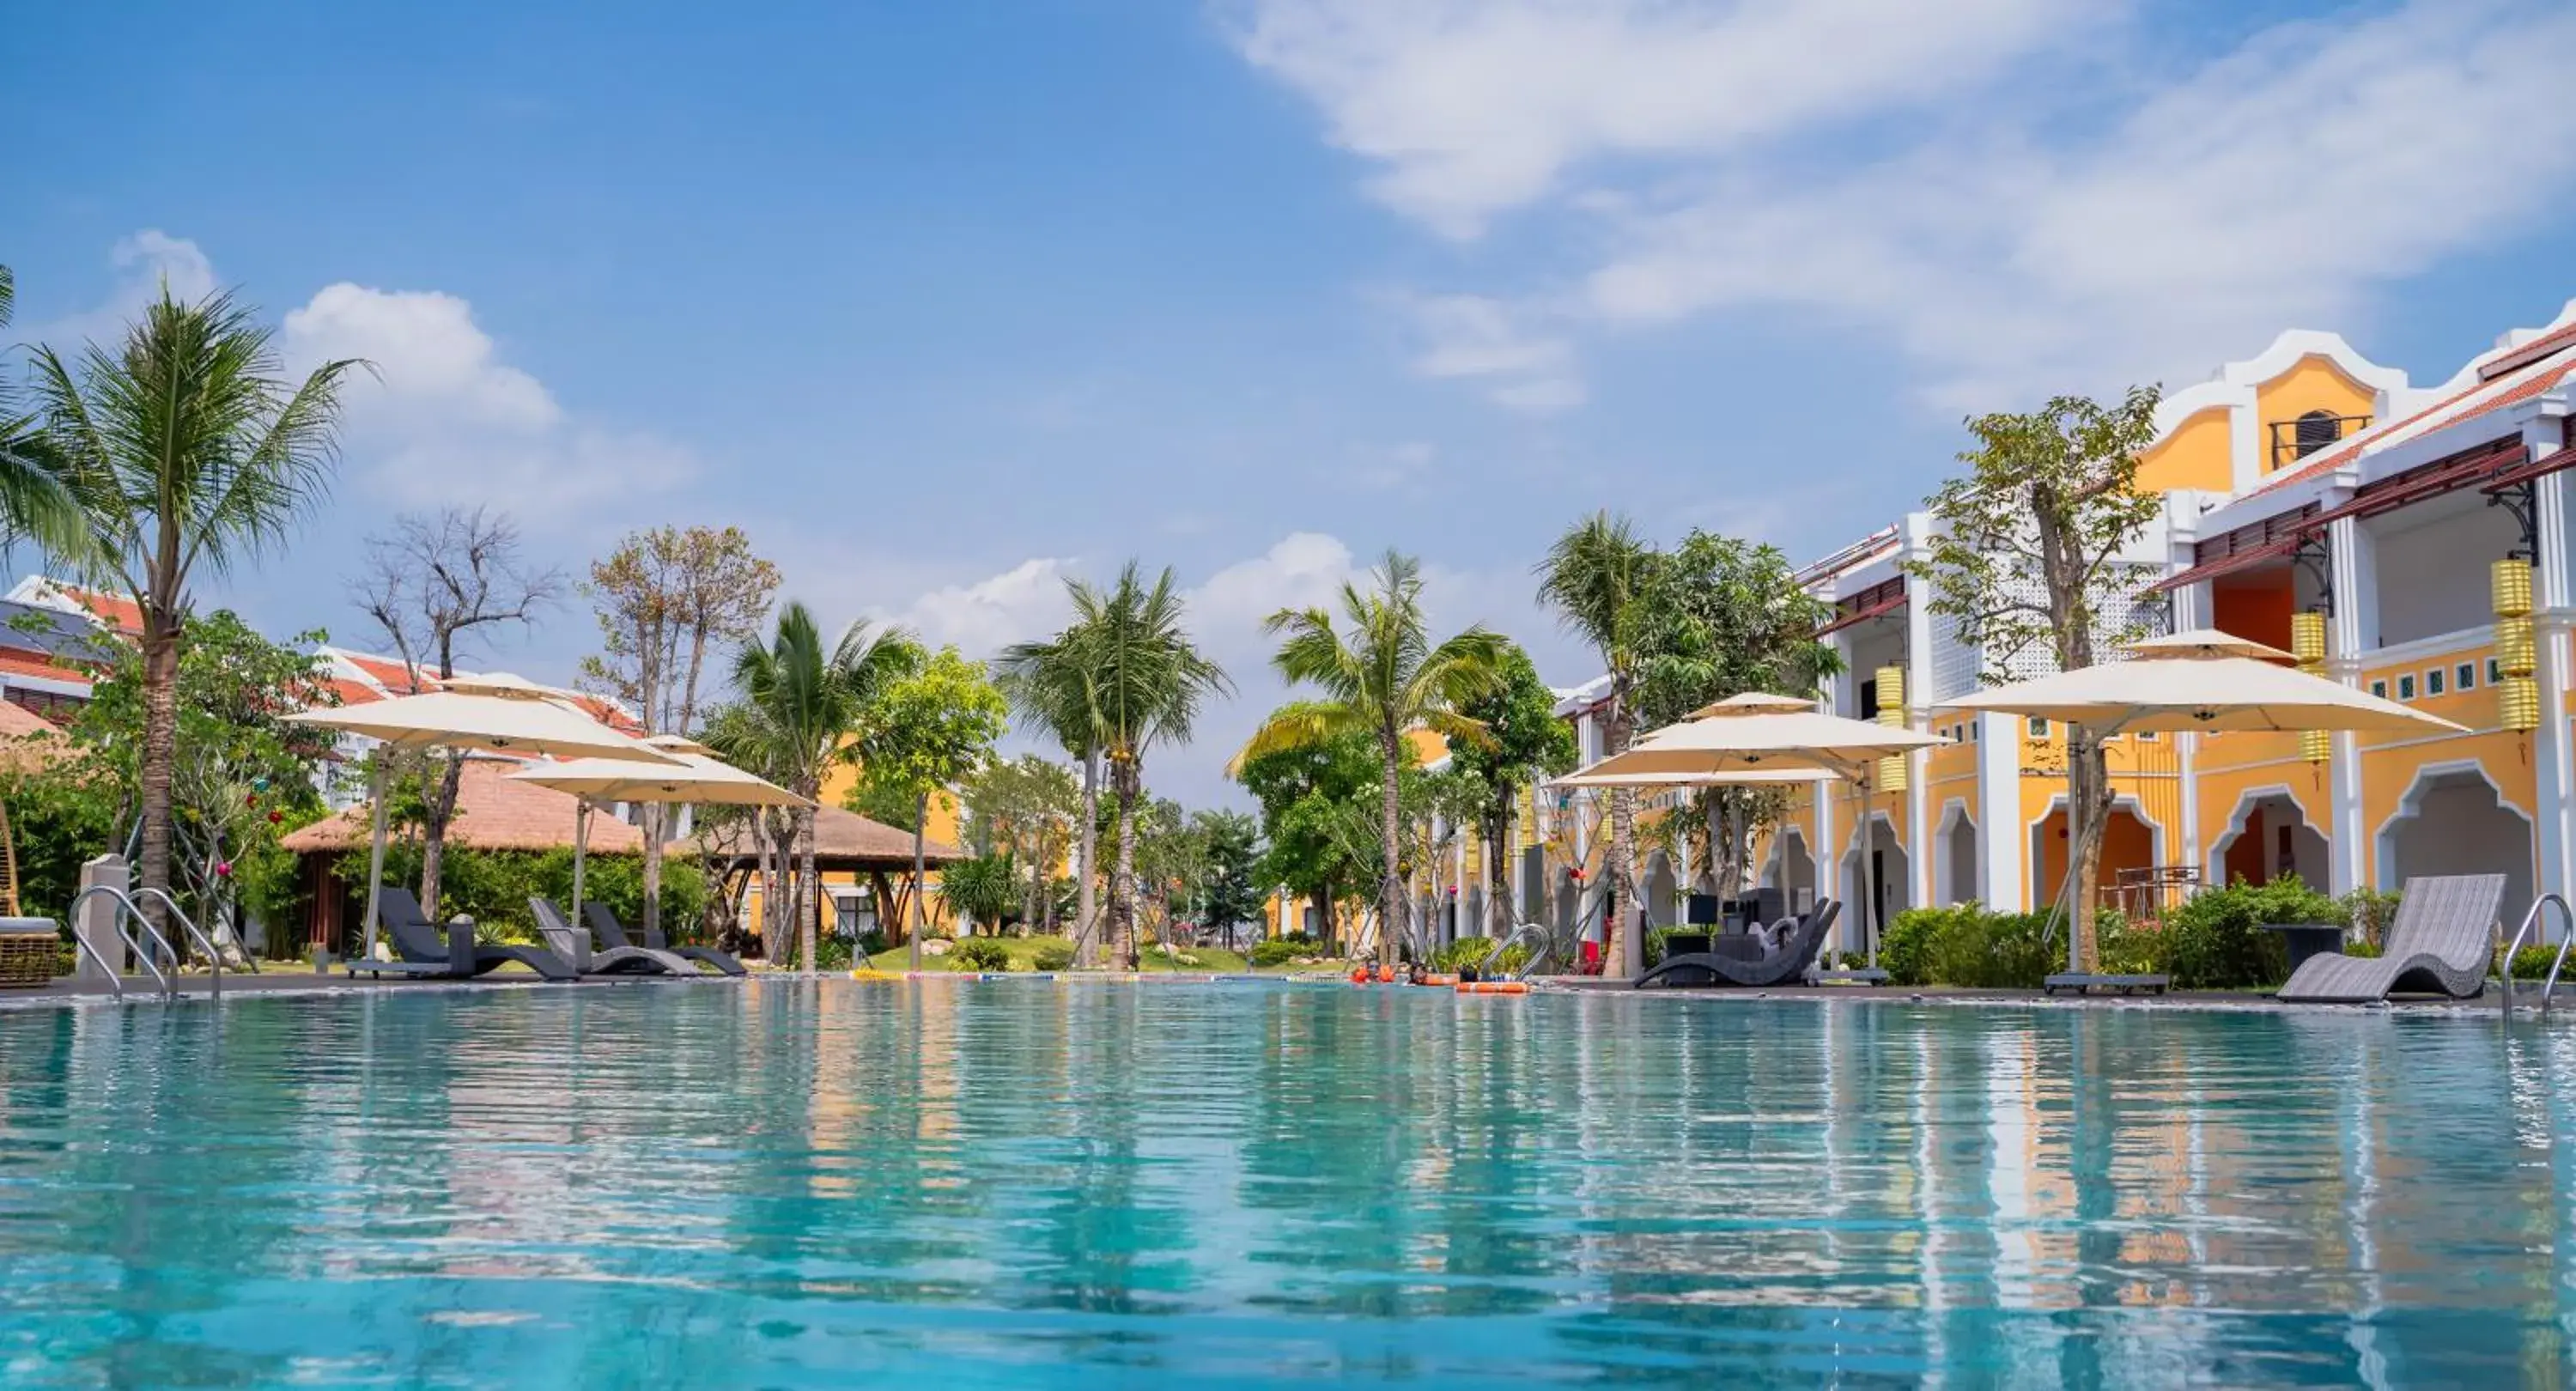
{"type": "Point", "coordinates": [127, 912]}
{"type": "Point", "coordinates": [2530, 922]}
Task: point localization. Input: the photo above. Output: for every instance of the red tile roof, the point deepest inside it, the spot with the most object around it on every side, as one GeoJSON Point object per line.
{"type": "Point", "coordinates": [115, 610]}
{"type": "Point", "coordinates": [21, 664]}
{"type": "Point", "coordinates": [2456, 409]}
{"type": "Point", "coordinates": [493, 813]}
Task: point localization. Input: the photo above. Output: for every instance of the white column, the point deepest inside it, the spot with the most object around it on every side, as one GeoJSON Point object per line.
{"type": "Point", "coordinates": [2352, 568]}
{"type": "Point", "coordinates": [2550, 753]}
{"type": "Point", "coordinates": [1999, 828]}
{"type": "Point", "coordinates": [1921, 853]}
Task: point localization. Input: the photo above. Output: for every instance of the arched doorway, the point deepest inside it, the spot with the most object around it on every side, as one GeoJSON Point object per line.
{"type": "Point", "coordinates": [1893, 872]}
{"type": "Point", "coordinates": [2129, 842]}
{"type": "Point", "coordinates": [2268, 837]}
{"type": "Point", "coordinates": [2455, 821]}
{"type": "Point", "coordinates": [1658, 888]}
{"type": "Point", "coordinates": [1791, 869]}
{"type": "Point", "coordinates": [1954, 867]}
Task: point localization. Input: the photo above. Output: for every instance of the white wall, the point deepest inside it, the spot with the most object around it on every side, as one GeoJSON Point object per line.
{"type": "Point", "coordinates": [2432, 577]}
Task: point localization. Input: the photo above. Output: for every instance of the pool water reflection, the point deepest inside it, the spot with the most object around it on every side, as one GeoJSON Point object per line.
{"type": "Point", "coordinates": [1035, 1184]}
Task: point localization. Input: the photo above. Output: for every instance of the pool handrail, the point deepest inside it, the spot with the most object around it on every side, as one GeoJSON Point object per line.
{"type": "Point", "coordinates": [2513, 947]}
{"type": "Point", "coordinates": [125, 911]}
{"type": "Point", "coordinates": [214, 956]}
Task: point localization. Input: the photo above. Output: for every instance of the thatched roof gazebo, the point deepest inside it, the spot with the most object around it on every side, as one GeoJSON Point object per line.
{"type": "Point", "coordinates": [847, 845]}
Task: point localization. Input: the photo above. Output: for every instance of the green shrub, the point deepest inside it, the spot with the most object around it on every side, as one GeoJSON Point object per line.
{"type": "Point", "coordinates": [1279, 951]}
{"type": "Point", "coordinates": [2364, 950]}
{"type": "Point", "coordinates": [979, 954]}
{"type": "Point", "coordinates": [2532, 963]}
{"type": "Point", "coordinates": [832, 953]}
{"type": "Point", "coordinates": [1052, 957]}
{"type": "Point", "coordinates": [1463, 953]}
{"type": "Point", "coordinates": [2216, 939]}
{"type": "Point", "coordinates": [2370, 913]}
{"type": "Point", "coordinates": [2128, 949]}
{"type": "Point", "coordinates": [1967, 946]}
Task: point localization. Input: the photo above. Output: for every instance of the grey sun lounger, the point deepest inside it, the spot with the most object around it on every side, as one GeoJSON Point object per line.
{"type": "Point", "coordinates": [573, 944]}
{"type": "Point", "coordinates": [425, 948]}
{"type": "Point", "coordinates": [2443, 940]}
{"type": "Point", "coordinates": [1791, 961]}
{"type": "Point", "coordinates": [610, 932]}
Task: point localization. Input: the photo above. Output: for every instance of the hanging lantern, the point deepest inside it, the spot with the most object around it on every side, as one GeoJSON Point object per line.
{"type": "Point", "coordinates": [2518, 703]}
{"type": "Point", "coordinates": [2509, 580]}
{"type": "Point", "coordinates": [2308, 636]}
{"type": "Point", "coordinates": [1891, 696]}
{"type": "Point", "coordinates": [2516, 652]}
{"type": "Point", "coordinates": [1892, 773]}
{"type": "Point", "coordinates": [2316, 745]}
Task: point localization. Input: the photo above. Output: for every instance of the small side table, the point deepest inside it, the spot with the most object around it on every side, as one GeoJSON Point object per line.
{"type": "Point", "coordinates": [2304, 940]}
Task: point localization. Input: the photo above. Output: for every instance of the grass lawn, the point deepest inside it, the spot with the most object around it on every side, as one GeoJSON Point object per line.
{"type": "Point", "coordinates": [1024, 950]}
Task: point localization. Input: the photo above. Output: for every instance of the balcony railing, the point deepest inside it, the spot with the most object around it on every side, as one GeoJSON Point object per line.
{"type": "Point", "coordinates": [2293, 440]}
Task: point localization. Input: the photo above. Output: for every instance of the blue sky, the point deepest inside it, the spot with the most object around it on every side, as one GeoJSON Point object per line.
{"type": "Point", "coordinates": [946, 302]}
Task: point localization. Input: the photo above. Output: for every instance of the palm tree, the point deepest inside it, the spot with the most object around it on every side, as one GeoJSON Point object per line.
{"type": "Point", "coordinates": [184, 447]}
{"type": "Point", "coordinates": [1053, 684]}
{"type": "Point", "coordinates": [1590, 577]}
{"type": "Point", "coordinates": [1384, 677]}
{"type": "Point", "coordinates": [1126, 670]}
{"type": "Point", "coordinates": [34, 500]}
{"type": "Point", "coordinates": [802, 704]}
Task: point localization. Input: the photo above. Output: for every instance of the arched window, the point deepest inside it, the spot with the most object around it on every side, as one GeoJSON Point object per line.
{"type": "Point", "coordinates": [2316, 430]}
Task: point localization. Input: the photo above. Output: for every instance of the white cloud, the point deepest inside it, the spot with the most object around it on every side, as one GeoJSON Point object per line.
{"type": "Point", "coordinates": [144, 262]}
{"type": "Point", "coordinates": [1474, 107]}
{"type": "Point", "coordinates": [1484, 340]}
{"type": "Point", "coordinates": [444, 419]}
{"type": "Point", "coordinates": [2081, 223]}
{"type": "Point", "coordinates": [981, 618]}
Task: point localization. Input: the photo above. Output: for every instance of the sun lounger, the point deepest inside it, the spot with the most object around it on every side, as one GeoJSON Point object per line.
{"type": "Point", "coordinates": [425, 948]}
{"type": "Point", "coordinates": [2443, 940]}
{"type": "Point", "coordinates": [611, 933]}
{"type": "Point", "coordinates": [573, 944]}
{"type": "Point", "coordinates": [1792, 959]}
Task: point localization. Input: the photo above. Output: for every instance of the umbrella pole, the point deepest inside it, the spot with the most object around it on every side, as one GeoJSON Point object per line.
{"type": "Point", "coordinates": [580, 851]}
{"type": "Point", "coordinates": [376, 849]}
{"type": "Point", "coordinates": [1868, 870]}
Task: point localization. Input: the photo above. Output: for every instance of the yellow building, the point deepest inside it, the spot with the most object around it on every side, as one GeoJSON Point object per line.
{"type": "Point", "coordinates": [2304, 480]}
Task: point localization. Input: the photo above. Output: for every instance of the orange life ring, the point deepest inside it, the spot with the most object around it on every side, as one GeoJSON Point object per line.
{"type": "Point", "coordinates": [1493, 987]}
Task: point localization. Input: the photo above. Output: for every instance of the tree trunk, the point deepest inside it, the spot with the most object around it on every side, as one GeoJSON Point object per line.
{"type": "Point", "coordinates": [1498, 917]}
{"type": "Point", "coordinates": [773, 891]}
{"type": "Point", "coordinates": [1086, 862]}
{"type": "Point", "coordinates": [1390, 896]}
{"type": "Point", "coordinates": [1036, 886]}
{"type": "Point", "coordinates": [807, 885]}
{"type": "Point", "coordinates": [1617, 940]}
{"type": "Point", "coordinates": [921, 904]}
{"type": "Point", "coordinates": [653, 832]}
{"type": "Point", "coordinates": [2088, 806]}
{"type": "Point", "coordinates": [1122, 880]}
{"type": "Point", "coordinates": [437, 814]}
{"type": "Point", "coordinates": [160, 752]}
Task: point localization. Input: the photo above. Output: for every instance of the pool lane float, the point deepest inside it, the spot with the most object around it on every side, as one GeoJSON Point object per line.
{"type": "Point", "coordinates": [1493, 987]}
{"type": "Point", "coordinates": [871, 973]}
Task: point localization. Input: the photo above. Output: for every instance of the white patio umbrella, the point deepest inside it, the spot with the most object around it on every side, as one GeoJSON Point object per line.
{"type": "Point", "coordinates": [697, 779]}
{"type": "Point", "coordinates": [1763, 733]}
{"type": "Point", "coordinates": [2197, 682]}
{"type": "Point", "coordinates": [522, 724]}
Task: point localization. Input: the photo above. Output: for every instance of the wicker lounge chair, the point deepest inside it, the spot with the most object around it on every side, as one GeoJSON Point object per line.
{"type": "Point", "coordinates": [424, 948]}
{"type": "Point", "coordinates": [574, 945]}
{"type": "Point", "coordinates": [1792, 960]}
{"type": "Point", "coordinates": [611, 933]}
{"type": "Point", "coordinates": [2443, 940]}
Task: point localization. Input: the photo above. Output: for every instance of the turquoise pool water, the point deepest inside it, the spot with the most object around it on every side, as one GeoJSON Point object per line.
{"type": "Point", "coordinates": [1053, 1185]}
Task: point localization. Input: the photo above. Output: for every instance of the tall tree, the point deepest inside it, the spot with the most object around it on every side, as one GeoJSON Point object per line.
{"type": "Point", "coordinates": [1054, 685]}
{"type": "Point", "coordinates": [1383, 675]}
{"type": "Point", "coordinates": [1302, 789]}
{"type": "Point", "coordinates": [1592, 577]}
{"type": "Point", "coordinates": [1226, 895]}
{"type": "Point", "coordinates": [436, 584]}
{"type": "Point", "coordinates": [185, 446]}
{"type": "Point", "coordinates": [35, 501]}
{"type": "Point", "coordinates": [1028, 804]}
{"type": "Point", "coordinates": [664, 598]}
{"type": "Point", "coordinates": [1718, 617]}
{"type": "Point", "coordinates": [1525, 741]}
{"type": "Point", "coordinates": [927, 730]}
{"type": "Point", "coordinates": [2034, 550]}
{"type": "Point", "coordinates": [802, 703]}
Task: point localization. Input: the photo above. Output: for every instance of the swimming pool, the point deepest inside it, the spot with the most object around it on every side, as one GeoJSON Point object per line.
{"type": "Point", "coordinates": [1031, 1184]}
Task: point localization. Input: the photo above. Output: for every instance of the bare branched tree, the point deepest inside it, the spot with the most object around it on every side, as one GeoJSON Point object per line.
{"type": "Point", "coordinates": [436, 584]}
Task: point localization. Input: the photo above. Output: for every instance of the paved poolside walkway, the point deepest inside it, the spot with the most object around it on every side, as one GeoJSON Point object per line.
{"type": "Point", "coordinates": [2524, 995]}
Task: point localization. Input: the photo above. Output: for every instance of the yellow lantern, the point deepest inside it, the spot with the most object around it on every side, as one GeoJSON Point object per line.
{"type": "Point", "coordinates": [2518, 703]}
{"type": "Point", "coordinates": [1891, 696]}
{"type": "Point", "coordinates": [2308, 637]}
{"type": "Point", "coordinates": [2316, 745]}
{"type": "Point", "coordinates": [2516, 652]}
{"type": "Point", "coordinates": [1892, 775]}
{"type": "Point", "coordinates": [2509, 580]}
